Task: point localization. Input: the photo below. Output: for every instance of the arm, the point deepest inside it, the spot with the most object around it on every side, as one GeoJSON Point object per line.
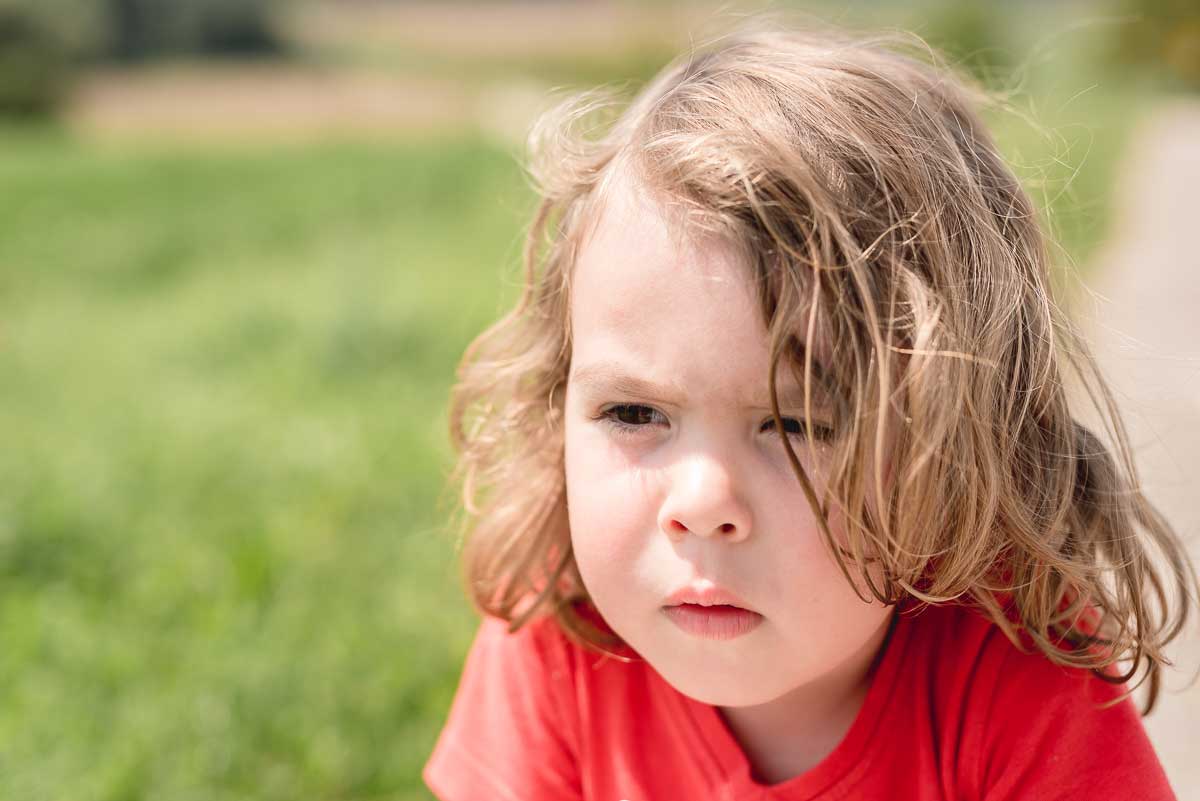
{"type": "Point", "coordinates": [506, 736]}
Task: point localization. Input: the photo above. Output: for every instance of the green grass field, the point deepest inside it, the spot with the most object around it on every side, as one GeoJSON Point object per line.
{"type": "Point", "coordinates": [223, 372]}
{"type": "Point", "coordinates": [225, 572]}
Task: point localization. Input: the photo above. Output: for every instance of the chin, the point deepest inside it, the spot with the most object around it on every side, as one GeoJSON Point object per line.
{"type": "Point", "coordinates": [720, 690]}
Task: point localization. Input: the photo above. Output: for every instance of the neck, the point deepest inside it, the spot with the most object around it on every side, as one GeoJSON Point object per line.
{"type": "Point", "coordinates": [788, 736]}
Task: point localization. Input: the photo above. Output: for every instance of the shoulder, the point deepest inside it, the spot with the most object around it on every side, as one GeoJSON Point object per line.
{"type": "Point", "coordinates": [511, 731]}
{"type": "Point", "coordinates": [975, 654]}
{"type": "Point", "coordinates": [540, 646]}
{"type": "Point", "coordinates": [965, 648]}
{"type": "Point", "coordinates": [539, 642]}
{"type": "Point", "coordinates": [504, 666]}
{"type": "Point", "coordinates": [1025, 726]}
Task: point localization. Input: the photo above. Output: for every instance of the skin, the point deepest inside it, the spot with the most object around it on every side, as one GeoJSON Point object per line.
{"type": "Point", "coordinates": [700, 488]}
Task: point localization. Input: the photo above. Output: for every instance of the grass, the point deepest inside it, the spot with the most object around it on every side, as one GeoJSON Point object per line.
{"type": "Point", "coordinates": [221, 390]}
{"type": "Point", "coordinates": [223, 572]}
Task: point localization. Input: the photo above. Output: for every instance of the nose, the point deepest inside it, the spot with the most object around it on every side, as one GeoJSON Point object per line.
{"type": "Point", "coordinates": [704, 500]}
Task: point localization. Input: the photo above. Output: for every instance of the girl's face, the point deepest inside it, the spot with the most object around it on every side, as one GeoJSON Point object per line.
{"type": "Point", "coordinates": [676, 477]}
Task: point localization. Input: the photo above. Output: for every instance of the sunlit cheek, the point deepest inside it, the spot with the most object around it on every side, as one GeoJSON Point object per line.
{"type": "Point", "coordinates": [594, 452]}
{"type": "Point", "coordinates": [813, 466]}
{"type": "Point", "coordinates": [856, 557]}
{"type": "Point", "coordinates": [611, 492]}
{"type": "Point", "coordinates": [810, 537]}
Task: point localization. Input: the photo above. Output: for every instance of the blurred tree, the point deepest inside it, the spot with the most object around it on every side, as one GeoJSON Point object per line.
{"type": "Point", "coordinates": [1163, 37]}
{"type": "Point", "coordinates": [41, 41]}
{"type": "Point", "coordinates": [34, 63]}
{"type": "Point", "coordinates": [141, 29]}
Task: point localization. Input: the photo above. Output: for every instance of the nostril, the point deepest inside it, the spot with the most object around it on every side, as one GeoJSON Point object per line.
{"type": "Point", "coordinates": [726, 528]}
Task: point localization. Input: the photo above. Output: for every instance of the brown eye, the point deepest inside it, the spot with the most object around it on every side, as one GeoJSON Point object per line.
{"type": "Point", "coordinates": [632, 415]}
{"type": "Point", "coordinates": [632, 419]}
{"type": "Point", "coordinates": [794, 427]}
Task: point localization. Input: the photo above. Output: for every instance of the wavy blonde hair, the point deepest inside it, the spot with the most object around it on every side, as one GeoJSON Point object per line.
{"type": "Point", "coordinates": [873, 211]}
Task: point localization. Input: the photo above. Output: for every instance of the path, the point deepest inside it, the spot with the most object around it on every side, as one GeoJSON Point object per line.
{"type": "Point", "coordinates": [1146, 329]}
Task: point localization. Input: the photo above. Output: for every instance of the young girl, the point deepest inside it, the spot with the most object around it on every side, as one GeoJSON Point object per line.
{"type": "Point", "coordinates": [777, 493]}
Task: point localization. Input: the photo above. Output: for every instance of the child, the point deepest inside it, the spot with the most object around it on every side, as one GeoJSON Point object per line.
{"type": "Point", "coordinates": [776, 487]}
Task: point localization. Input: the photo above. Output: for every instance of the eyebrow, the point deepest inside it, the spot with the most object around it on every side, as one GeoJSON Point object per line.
{"type": "Point", "coordinates": [613, 376]}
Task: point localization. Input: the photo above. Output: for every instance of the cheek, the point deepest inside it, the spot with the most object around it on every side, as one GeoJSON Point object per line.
{"type": "Point", "coordinates": [610, 505]}
{"type": "Point", "coordinates": [875, 570]}
{"type": "Point", "coordinates": [806, 563]}
{"type": "Point", "coordinates": [791, 556]}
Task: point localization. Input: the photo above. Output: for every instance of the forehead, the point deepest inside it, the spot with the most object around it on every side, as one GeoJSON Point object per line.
{"type": "Point", "coordinates": [640, 261]}
{"type": "Point", "coordinates": [654, 298]}
{"type": "Point", "coordinates": [666, 301]}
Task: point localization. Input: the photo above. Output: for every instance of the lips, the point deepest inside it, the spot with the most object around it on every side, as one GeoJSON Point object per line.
{"type": "Point", "coordinates": [705, 593]}
{"type": "Point", "coordinates": [705, 610]}
{"type": "Point", "coordinates": [713, 622]}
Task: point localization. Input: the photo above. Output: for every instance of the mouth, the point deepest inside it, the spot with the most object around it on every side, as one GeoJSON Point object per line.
{"type": "Point", "coordinates": [715, 622]}
{"type": "Point", "coordinates": [707, 594]}
{"type": "Point", "coordinates": [704, 609]}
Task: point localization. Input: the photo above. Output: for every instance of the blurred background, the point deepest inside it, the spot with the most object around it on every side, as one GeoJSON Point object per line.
{"type": "Point", "coordinates": [243, 244]}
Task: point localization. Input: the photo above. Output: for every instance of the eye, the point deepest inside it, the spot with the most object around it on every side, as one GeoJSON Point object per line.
{"type": "Point", "coordinates": [629, 418]}
{"type": "Point", "coordinates": [794, 427]}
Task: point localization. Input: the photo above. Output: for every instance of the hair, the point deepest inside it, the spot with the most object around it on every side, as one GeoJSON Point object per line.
{"type": "Point", "coordinates": [874, 212]}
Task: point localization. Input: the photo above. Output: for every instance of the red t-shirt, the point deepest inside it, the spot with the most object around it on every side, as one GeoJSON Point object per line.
{"type": "Point", "coordinates": [954, 711]}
